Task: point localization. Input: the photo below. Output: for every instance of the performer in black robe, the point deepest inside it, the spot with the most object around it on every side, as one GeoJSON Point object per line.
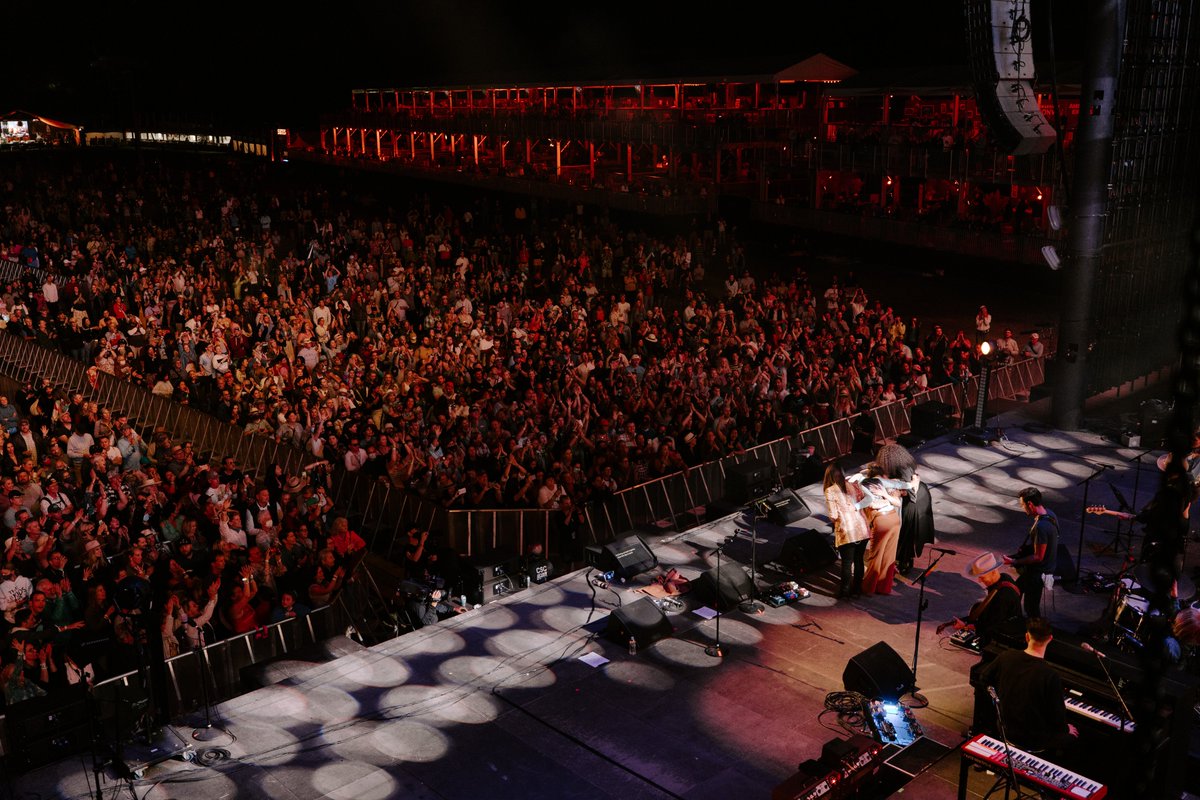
{"type": "Point", "coordinates": [916, 514]}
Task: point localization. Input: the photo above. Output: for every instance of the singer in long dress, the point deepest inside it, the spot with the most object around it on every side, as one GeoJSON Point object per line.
{"type": "Point", "coordinates": [916, 517]}
{"type": "Point", "coordinates": [883, 514]}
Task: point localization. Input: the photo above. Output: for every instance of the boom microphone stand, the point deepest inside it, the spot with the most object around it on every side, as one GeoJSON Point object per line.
{"type": "Point", "coordinates": [1086, 483]}
{"type": "Point", "coordinates": [1011, 778]}
{"type": "Point", "coordinates": [922, 604]}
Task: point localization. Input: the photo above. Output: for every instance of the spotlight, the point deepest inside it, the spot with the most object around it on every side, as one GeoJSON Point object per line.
{"type": "Point", "coordinates": [1051, 255]}
{"type": "Point", "coordinates": [985, 348]}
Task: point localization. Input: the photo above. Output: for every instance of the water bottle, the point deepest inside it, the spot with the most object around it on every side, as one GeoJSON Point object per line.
{"type": "Point", "coordinates": [632, 646]}
{"type": "Point", "coordinates": [462, 601]}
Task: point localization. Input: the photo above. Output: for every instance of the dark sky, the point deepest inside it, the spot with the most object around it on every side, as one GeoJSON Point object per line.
{"type": "Point", "coordinates": [266, 62]}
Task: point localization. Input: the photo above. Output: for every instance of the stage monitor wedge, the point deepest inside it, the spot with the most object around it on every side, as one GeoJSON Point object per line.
{"type": "Point", "coordinates": [642, 620]}
{"type": "Point", "coordinates": [878, 673]}
{"type": "Point", "coordinates": [626, 557]}
{"type": "Point", "coordinates": [733, 589]}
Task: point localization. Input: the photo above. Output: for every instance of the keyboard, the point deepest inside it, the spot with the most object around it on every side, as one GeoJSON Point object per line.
{"type": "Point", "coordinates": [1039, 772]}
{"type": "Point", "coordinates": [1074, 701]}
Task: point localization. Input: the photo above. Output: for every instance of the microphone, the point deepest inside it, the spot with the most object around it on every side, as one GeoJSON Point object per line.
{"type": "Point", "coordinates": [992, 693]}
{"type": "Point", "coordinates": [944, 550]}
{"type": "Point", "coordinates": [1087, 648]}
{"type": "Point", "coordinates": [603, 584]}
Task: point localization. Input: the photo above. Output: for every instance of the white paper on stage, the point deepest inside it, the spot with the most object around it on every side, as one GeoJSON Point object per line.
{"type": "Point", "coordinates": [593, 659]}
{"type": "Point", "coordinates": [704, 611]}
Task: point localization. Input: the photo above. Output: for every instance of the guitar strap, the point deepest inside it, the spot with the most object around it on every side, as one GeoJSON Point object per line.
{"type": "Point", "coordinates": [991, 595]}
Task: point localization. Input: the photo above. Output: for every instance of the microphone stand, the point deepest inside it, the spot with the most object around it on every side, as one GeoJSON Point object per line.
{"type": "Point", "coordinates": [751, 604]}
{"type": "Point", "coordinates": [1011, 778]}
{"type": "Point", "coordinates": [204, 733]}
{"type": "Point", "coordinates": [922, 604]}
{"type": "Point", "coordinates": [1086, 483]}
{"type": "Point", "coordinates": [1137, 476]}
{"type": "Point", "coordinates": [714, 649]}
{"type": "Point", "coordinates": [1126, 716]}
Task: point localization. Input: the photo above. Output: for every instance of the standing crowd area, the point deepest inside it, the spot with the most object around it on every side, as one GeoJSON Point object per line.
{"type": "Point", "coordinates": [482, 354]}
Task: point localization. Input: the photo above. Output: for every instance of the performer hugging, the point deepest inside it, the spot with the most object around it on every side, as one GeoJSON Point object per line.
{"type": "Point", "coordinates": [916, 514]}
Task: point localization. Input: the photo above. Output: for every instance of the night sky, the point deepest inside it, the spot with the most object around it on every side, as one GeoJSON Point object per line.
{"type": "Point", "coordinates": [269, 63]}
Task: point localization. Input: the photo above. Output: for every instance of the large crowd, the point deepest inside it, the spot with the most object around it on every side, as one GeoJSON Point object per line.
{"type": "Point", "coordinates": [483, 356]}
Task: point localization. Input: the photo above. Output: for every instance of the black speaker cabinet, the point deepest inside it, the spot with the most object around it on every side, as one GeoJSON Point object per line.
{"type": "Point", "coordinates": [785, 507]}
{"type": "Point", "coordinates": [749, 481]}
{"type": "Point", "coordinates": [734, 588]}
{"type": "Point", "coordinates": [642, 620]}
{"type": "Point", "coordinates": [931, 418]}
{"type": "Point", "coordinates": [627, 557]}
{"type": "Point", "coordinates": [45, 729]}
{"type": "Point", "coordinates": [878, 673]}
{"type": "Point", "coordinates": [806, 552]}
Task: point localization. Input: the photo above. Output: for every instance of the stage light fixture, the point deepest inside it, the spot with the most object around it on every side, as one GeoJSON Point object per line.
{"type": "Point", "coordinates": [1054, 215]}
{"type": "Point", "coordinates": [1050, 253]}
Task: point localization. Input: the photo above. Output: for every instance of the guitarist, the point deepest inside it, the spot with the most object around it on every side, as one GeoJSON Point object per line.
{"type": "Point", "coordinates": [1001, 605]}
{"type": "Point", "coordinates": [1038, 556]}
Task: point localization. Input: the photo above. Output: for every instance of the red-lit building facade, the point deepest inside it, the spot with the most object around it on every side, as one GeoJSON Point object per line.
{"type": "Point", "coordinates": [901, 155]}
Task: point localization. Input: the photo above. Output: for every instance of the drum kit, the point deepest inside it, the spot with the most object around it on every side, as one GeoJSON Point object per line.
{"type": "Point", "coordinates": [1132, 606]}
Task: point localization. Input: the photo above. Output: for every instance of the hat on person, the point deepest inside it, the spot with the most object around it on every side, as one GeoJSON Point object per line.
{"type": "Point", "coordinates": [93, 544]}
{"type": "Point", "coordinates": [988, 562]}
{"type": "Point", "coordinates": [294, 484]}
{"type": "Point", "coordinates": [652, 338]}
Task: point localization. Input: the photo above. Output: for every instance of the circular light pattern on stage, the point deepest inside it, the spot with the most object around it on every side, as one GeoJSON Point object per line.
{"type": "Point", "coordinates": [371, 669]}
{"type": "Point", "coordinates": [409, 740]}
{"type": "Point", "coordinates": [953, 525]}
{"type": "Point", "coordinates": [262, 742]}
{"type": "Point", "coordinates": [518, 641]}
{"type": "Point", "coordinates": [438, 641]}
{"type": "Point", "coordinates": [322, 704]}
{"type": "Point", "coordinates": [494, 617]}
{"type": "Point", "coordinates": [565, 618]}
{"type": "Point", "coordinates": [686, 653]}
{"type": "Point", "coordinates": [739, 631]}
{"type": "Point", "coordinates": [982, 456]}
{"type": "Point", "coordinates": [946, 465]}
{"type": "Point", "coordinates": [488, 672]}
{"type": "Point", "coordinates": [353, 781]}
{"type": "Point", "coordinates": [272, 702]}
{"type": "Point", "coordinates": [973, 512]}
{"type": "Point", "coordinates": [440, 704]}
{"type": "Point", "coordinates": [641, 674]}
{"type": "Point", "coordinates": [1042, 479]}
{"type": "Point", "coordinates": [547, 596]}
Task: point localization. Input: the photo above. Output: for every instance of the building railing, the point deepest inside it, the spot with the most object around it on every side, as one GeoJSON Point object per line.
{"type": "Point", "coordinates": [561, 188]}
{"type": "Point", "coordinates": [1023, 248]}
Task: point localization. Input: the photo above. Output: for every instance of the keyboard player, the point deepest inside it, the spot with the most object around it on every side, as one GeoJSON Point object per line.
{"type": "Point", "coordinates": [1030, 693]}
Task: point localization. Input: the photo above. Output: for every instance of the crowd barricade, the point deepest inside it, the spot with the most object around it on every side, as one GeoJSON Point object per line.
{"type": "Point", "coordinates": [675, 501]}
{"type": "Point", "coordinates": [225, 661]}
{"type": "Point", "coordinates": [26, 361]}
{"type": "Point", "coordinates": [477, 532]}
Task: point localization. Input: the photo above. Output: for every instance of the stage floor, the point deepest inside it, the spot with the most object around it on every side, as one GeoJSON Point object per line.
{"type": "Point", "coordinates": [496, 703]}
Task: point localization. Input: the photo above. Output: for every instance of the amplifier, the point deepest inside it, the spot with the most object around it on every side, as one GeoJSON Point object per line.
{"type": "Point", "coordinates": [843, 766]}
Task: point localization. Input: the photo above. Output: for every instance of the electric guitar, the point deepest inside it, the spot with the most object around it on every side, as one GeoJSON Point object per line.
{"type": "Point", "coordinates": [1101, 510]}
